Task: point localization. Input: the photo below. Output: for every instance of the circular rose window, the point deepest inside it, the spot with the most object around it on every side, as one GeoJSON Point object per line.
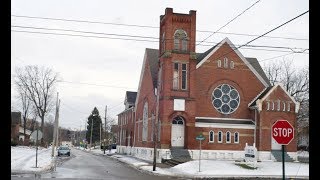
{"type": "Point", "coordinates": [225, 99]}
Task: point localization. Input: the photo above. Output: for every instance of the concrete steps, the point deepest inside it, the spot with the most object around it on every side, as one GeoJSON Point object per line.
{"type": "Point", "coordinates": [277, 154]}
{"type": "Point", "coordinates": [178, 156]}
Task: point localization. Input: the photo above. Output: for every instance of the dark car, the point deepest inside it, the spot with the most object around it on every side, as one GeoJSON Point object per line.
{"type": "Point", "coordinates": [63, 150]}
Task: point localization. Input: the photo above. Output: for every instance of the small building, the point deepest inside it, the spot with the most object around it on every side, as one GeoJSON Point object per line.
{"type": "Point", "coordinates": [126, 122]}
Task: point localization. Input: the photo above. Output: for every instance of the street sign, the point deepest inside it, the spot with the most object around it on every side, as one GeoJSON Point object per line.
{"type": "Point", "coordinates": [33, 135]}
{"type": "Point", "coordinates": [282, 132]}
{"type": "Point", "coordinates": [200, 137]}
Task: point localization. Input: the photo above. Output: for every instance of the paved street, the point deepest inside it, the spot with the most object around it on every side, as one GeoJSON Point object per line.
{"type": "Point", "coordinates": [83, 165]}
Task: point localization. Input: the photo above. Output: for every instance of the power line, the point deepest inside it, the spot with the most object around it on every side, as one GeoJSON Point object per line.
{"type": "Point", "coordinates": [104, 37]}
{"type": "Point", "coordinates": [135, 36]}
{"type": "Point", "coordinates": [275, 28]}
{"type": "Point", "coordinates": [146, 26]}
{"type": "Point", "coordinates": [229, 22]}
{"type": "Point", "coordinates": [92, 84]}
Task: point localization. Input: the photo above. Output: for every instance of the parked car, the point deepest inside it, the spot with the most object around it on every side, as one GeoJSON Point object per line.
{"type": "Point", "coordinates": [63, 150]}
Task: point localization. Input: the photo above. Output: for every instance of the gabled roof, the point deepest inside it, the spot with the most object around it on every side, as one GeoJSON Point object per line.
{"type": "Point", "coordinates": [264, 94]}
{"type": "Point", "coordinates": [256, 65]}
{"type": "Point", "coordinates": [259, 96]}
{"type": "Point", "coordinates": [131, 97]}
{"type": "Point", "coordinates": [252, 63]}
{"type": "Point", "coordinates": [153, 58]}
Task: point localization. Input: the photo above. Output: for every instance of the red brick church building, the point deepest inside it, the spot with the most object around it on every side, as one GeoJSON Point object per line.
{"type": "Point", "coordinates": [219, 93]}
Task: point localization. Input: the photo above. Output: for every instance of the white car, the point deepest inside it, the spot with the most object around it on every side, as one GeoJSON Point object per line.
{"type": "Point", "coordinates": [63, 150]}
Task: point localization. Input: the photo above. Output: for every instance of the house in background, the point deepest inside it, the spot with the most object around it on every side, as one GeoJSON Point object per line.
{"type": "Point", "coordinates": [15, 126]}
{"type": "Point", "coordinates": [218, 93]}
{"type": "Point", "coordinates": [125, 135]}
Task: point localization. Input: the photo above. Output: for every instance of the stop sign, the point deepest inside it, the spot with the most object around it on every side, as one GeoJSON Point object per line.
{"type": "Point", "coordinates": [282, 132]}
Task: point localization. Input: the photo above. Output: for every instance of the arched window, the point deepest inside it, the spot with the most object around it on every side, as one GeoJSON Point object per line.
{"type": "Point", "coordinates": [175, 76]}
{"type": "Point", "coordinates": [163, 43]}
{"type": "Point", "coordinates": [231, 64]}
{"type": "Point", "coordinates": [284, 106]}
{"type": "Point", "coordinates": [180, 40]}
{"type": "Point", "coordinates": [159, 130]}
{"type": "Point", "coordinates": [268, 105]}
{"type": "Point", "coordinates": [219, 63]}
{"type": "Point", "coordinates": [177, 120]}
{"type": "Point", "coordinates": [145, 122]}
{"type": "Point", "coordinates": [272, 105]}
{"type": "Point", "coordinates": [225, 65]}
{"type": "Point", "coordinates": [228, 137]}
{"type": "Point", "coordinates": [211, 136]}
{"type": "Point", "coordinates": [219, 137]}
{"type": "Point", "coordinates": [278, 108]}
{"type": "Point", "coordinates": [236, 137]}
{"type": "Point", "coordinates": [288, 107]}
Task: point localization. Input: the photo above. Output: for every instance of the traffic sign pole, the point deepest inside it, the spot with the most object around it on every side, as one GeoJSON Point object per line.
{"type": "Point", "coordinates": [283, 169]}
{"type": "Point", "coordinates": [37, 149]}
{"type": "Point", "coordinates": [282, 133]}
{"type": "Point", "coordinates": [200, 156]}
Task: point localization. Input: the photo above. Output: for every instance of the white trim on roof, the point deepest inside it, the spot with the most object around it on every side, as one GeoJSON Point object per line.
{"type": "Point", "coordinates": [223, 125]}
{"type": "Point", "coordinates": [297, 104]}
{"type": "Point", "coordinates": [257, 97]}
{"type": "Point", "coordinates": [226, 40]}
{"type": "Point", "coordinates": [223, 118]}
{"type": "Point", "coordinates": [140, 81]}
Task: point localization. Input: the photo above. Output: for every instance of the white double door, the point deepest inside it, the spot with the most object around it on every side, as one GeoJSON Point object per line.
{"type": "Point", "coordinates": [177, 135]}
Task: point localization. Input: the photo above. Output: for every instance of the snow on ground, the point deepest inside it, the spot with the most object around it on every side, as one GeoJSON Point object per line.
{"type": "Point", "coordinates": [23, 159]}
{"type": "Point", "coordinates": [222, 168]}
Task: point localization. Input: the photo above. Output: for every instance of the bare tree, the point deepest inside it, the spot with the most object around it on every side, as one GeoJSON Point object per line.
{"type": "Point", "coordinates": [25, 107]}
{"type": "Point", "coordinates": [39, 85]}
{"type": "Point", "coordinates": [296, 83]}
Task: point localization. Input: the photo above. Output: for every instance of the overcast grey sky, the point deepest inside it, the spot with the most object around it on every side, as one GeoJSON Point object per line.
{"type": "Point", "coordinates": [98, 71]}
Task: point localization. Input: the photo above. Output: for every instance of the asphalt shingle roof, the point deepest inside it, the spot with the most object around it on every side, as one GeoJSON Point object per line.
{"type": "Point", "coordinates": [153, 58]}
{"type": "Point", "coordinates": [131, 96]}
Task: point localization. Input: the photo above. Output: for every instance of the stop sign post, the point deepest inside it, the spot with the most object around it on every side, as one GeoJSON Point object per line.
{"type": "Point", "coordinates": [283, 133]}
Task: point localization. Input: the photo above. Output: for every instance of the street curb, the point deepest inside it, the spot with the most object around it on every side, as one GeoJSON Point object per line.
{"type": "Point", "coordinates": [197, 176]}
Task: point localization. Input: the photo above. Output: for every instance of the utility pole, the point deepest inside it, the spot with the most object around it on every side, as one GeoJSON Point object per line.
{"type": "Point", "coordinates": [100, 134]}
{"type": "Point", "coordinates": [105, 130]}
{"type": "Point", "coordinates": [155, 139]}
{"type": "Point", "coordinates": [57, 138]}
{"type": "Point", "coordinates": [55, 128]}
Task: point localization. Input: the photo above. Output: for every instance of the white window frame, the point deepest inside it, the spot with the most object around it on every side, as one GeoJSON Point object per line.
{"type": "Point", "coordinates": [234, 138]}
{"type": "Point", "coordinates": [163, 42]}
{"type": "Point", "coordinates": [159, 130]}
{"type": "Point", "coordinates": [219, 63]}
{"type": "Point", "coordinates": [268, 105]}
{"type": "Point", "coordinates": [211, 141]}
{"type": "Point", "coordinates": [272, 105]}
{"type": "Point", "coordinates": [145, 122]}
{"type": "Point", "coordinates": [220, 134]}
{"type": "Point", "coordinates": [186, 80]}
{"type": "Point", "coordinates": [225, 65]}
{"type": "Point", "coordinates": [278, 108]}
{"type": "Point", "coordinates": [152, 125]}
{"type": "Point", "coordinates": [228, 132]}
{"type": "Point", "coordinates": [175, 82]}
{"type": "Point", "coordinates": [231, 64]}
{"type": "Point", "coordinates": [288, 107]}
{"type": "Point", "coordinates": [184, 44]}
{"type": "Point", "coordinates": [284, 106]}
